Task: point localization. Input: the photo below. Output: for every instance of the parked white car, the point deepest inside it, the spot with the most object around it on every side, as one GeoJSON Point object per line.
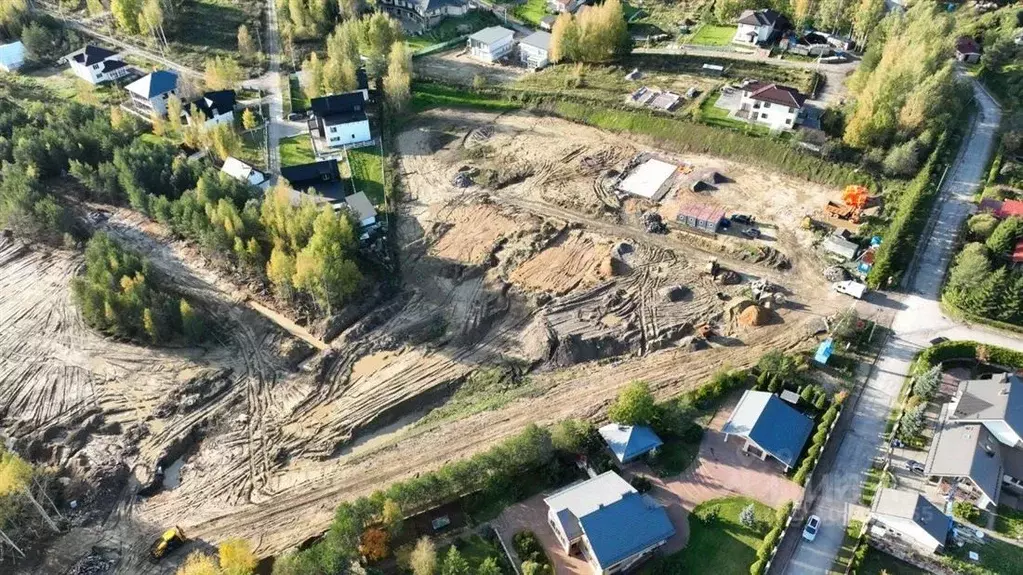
{"type": "Point", "coordinates": [812, 525]}
{"type": "Point", "coordinates": [851, 288]}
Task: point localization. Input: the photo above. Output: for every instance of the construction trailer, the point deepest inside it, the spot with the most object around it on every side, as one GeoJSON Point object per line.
{"type": "Point", "coordinates": [701, 217]}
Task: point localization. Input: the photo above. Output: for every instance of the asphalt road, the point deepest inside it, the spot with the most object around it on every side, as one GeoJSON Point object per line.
{"type": "Point", "coordinates": [917, 320]}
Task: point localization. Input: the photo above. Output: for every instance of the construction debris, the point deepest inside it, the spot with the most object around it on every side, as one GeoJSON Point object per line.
{"type": "Point", "coordinates": [653, 223]}
{"type": "Point", "coordinates": [462, 180]}
{"type": "Point", "coordinates": [728, 277]}
{"type": "Point", "coordinates": [835, 274]}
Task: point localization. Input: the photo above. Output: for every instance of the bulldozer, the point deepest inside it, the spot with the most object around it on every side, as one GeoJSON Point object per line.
{"type": "Point", "coordinates": [171, 539]}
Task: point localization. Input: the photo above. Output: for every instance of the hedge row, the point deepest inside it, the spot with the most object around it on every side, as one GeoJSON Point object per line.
{"type": "Point", "coordinates": [911, 215]}
{"type": "Point", "coordinates": [948, 350]}
{"type": "Point", "coordinates": [817, 444]}
{"type": "Point", "coordinates": [771, 539]}
{"type": "Point", "coordinates": [673, 133]}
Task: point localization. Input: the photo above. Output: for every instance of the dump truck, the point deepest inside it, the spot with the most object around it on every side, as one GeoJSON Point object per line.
{"type": "Point", "coordinates": [171, 539]}
{"type": "Point", "coordinates": [851, 288]}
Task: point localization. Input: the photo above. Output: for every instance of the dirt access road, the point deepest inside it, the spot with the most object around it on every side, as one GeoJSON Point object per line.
{"type": "Point", "coordinates": [544, 267]}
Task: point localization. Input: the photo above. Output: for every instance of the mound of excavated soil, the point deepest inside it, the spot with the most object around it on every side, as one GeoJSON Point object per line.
{"type": "Point", "coordinates": [753, 316]}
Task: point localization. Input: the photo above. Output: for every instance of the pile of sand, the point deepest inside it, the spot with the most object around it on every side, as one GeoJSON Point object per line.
{"type": "Point", "coordinates": [753, 316]}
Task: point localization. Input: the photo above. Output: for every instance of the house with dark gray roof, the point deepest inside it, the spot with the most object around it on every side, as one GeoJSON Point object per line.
{"type": "Point", "coordinates": [606, 520]}
{"type": "Point", "coordinates": [323, 178]}
{"type": "Point", "coordinates": [149, 94]}
{"type": "Point", "coordinates": [770, 426]}
{"type": "Point", "coordinates": [909, 518]}
{"type": "Point", "coordinates": [777, 106]}
{"type": "Point", "coordinates": [629, 442]}
{"type": "Point", "coordinates": [428, 13]}
{"type": "Point", "coordinates": [976, 446]}
{"type": "Point", "coordinates": [340, 119]}
{"type": "Point", "coordinates": [213, 107]}
{"type": "Point", "coordinates": [97, 65]}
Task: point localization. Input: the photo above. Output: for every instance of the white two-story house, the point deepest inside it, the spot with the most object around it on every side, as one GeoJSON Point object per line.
{"type": "Point", "coordinates": [777, 106]}
{"type": "Point", "coordinates": [756, 26]}
{"type": "Point", "coordinates": [340, 119]}
{"type": "Point", "coordinates": [149, 94]}
{"type": "Point", "coordinates": [97, 65]}
{"type": "Point", "coordinates": [491, 44]}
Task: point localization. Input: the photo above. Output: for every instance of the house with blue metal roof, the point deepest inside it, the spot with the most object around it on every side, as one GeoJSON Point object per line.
{"type": "Point", "coordinates": [610, 523]}
{"type": "Point", "coordinates": [770, 426]}
{"type": "Point", "coordinates": [629, 442]}
{"type": "Point", "coordinates": [150, 93]}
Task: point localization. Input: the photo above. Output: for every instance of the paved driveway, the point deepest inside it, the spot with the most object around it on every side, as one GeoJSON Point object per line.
{"type": "Point", "coordinates": [720, 470]}
{"type": "Point", "coordinates": [531, 515]}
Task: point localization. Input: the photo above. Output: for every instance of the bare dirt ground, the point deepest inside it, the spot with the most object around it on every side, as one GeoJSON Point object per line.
{"type": "Point", "coordinates": [548, 267]}
{"type": "Point", "coordinates": [456, 66]}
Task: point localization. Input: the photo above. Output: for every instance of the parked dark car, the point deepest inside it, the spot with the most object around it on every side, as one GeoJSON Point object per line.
{"type": "Point", "coordinates": [938, 340]}
{"type": "Point", "coordinates": [743, 219]}
{"type": "Point", "coordinates": [296, 116]}
{"type": "Point", "coordinates": [751, 233]}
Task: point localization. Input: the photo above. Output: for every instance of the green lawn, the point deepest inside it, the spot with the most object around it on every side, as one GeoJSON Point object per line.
{"type": "Point", "coordinates": [252, 149]}
{"type": "Point", "coordinates": [296, 150]}
{"type": "Point", "coordinates": [996, 557]}
{"type": "Point", "coordinates": [532, 11]}
{"type": "Point", "coordinates": [715, 116]}
{"type": "Point", "coordinates": [877, 562]}
{"type": "Point", "coordinates": [718, 542]}
{"type": "Point", "coordinates": [299, 101]}
{"type": "Point", "coordinates": [1009, 522]}
{"type": "Point", "coordinates": [710, 35]}
{"type": "Point", "coordinates": [453, 27]}
{"type": "Point", "coordinates": [366, 172]}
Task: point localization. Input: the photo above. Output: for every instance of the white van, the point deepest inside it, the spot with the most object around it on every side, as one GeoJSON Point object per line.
{"type": "Point", "coordinates": [853, 288]}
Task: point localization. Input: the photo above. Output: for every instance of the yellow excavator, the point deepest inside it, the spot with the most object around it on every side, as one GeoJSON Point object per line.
{"type": "Point", "coordinates": [171, 539]}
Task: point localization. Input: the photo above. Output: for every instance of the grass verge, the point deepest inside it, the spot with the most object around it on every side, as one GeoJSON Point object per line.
{"type": "Point", "coordinates": [299, 101]}
{"type": "Point", "coordinates": [532, 11]}
{"type": "Point", "coordinates": [845, 552]}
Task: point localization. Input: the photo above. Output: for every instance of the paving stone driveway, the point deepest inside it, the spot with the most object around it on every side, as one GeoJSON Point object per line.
{"type": "Point", "coordinates": [720, 470]}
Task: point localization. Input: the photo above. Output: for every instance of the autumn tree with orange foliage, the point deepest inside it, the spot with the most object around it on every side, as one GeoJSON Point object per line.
{"type": "Point", "coordinates": [374, 544]}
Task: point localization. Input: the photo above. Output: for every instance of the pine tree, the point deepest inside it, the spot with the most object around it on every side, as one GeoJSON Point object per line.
{"type": "Point", "coordinates": [489, 566]}
{"type": "Point", "coordinates": [748, 516]}
{"type": "Point", "coordinates": [454, 563]}
{"type": "Point", "coordinates": [984, 299]}
{"type": "Point", "coordinates": [174, 115]}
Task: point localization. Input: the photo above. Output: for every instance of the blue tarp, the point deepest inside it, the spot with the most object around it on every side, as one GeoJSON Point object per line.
{"type": "Point", "coordinates": [824, 351]}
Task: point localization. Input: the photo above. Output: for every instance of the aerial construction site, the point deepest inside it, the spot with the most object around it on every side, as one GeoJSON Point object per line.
{"type": "Point", "coordinates": [526, 242]}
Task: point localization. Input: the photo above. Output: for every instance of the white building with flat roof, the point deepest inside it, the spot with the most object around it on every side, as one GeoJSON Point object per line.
{"type": "Point", "coordinates": [491, 44]}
